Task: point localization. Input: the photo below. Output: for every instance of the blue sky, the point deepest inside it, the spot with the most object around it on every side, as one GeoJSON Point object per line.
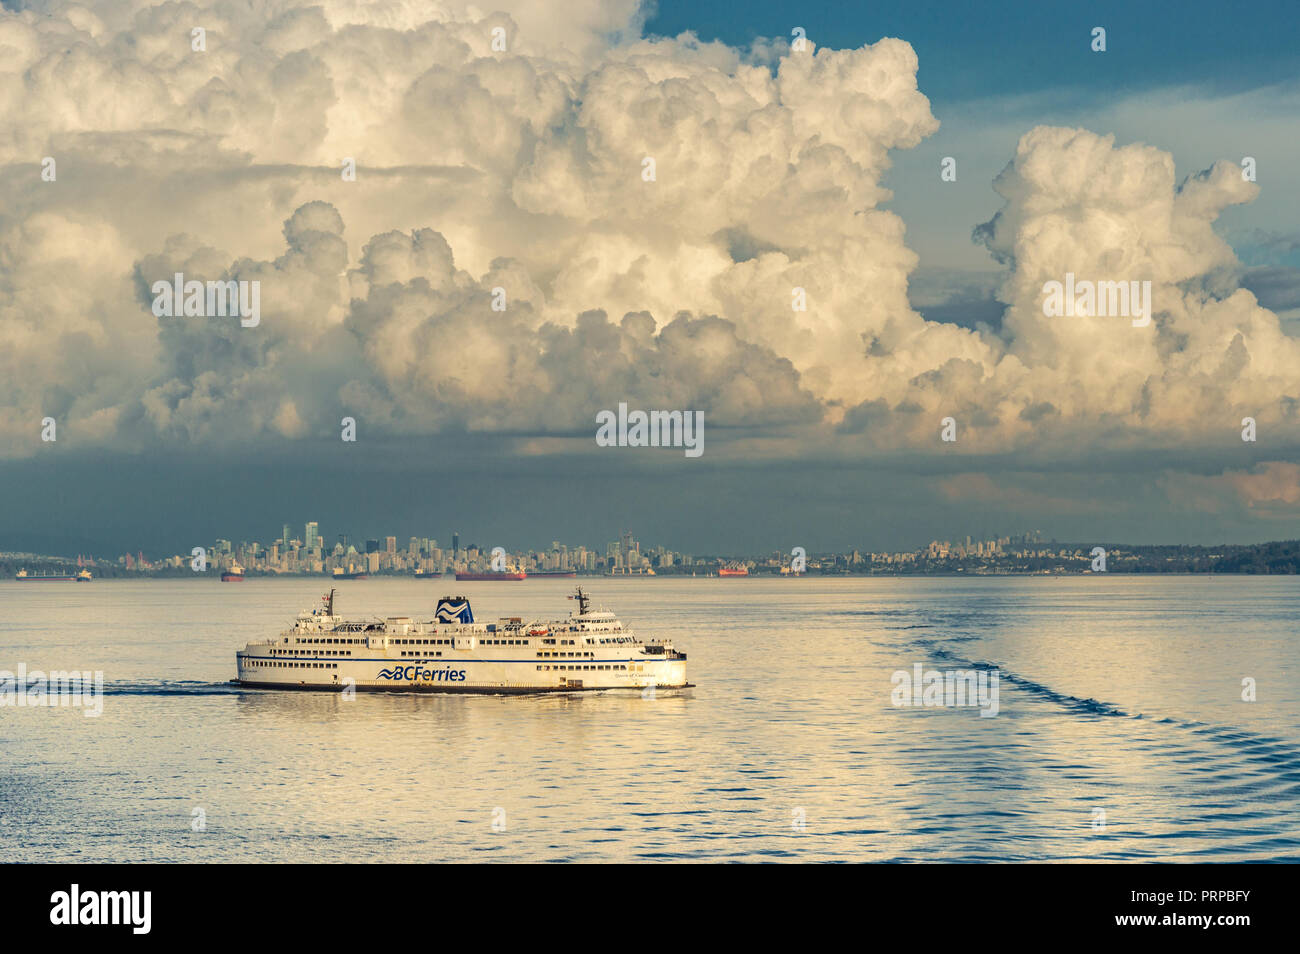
{"type": "Point", "coordinates": [971, 51]}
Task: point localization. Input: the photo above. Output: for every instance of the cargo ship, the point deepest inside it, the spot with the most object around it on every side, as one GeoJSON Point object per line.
{"type": "Point", "coordinates": [587, 650]}
{"type": "Point", "coordinates": [498, 575]}
{"type": "Point", "coordinates": [83, 576]}
{"type": "Point", "coordinates": [234, 575]}
{"type": "Point", "coordinates": [350, 574]}
{"type": "Point", "coordinates": [22, 576]}
{"type": "Point", "coordinates": [554, 574]}
{"type": "Point", "coordinates": [733, 569]}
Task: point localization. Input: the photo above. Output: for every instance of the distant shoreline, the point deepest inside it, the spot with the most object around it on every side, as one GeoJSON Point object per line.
{"type": "Point", "coordinates": [730, 581]}
{"type": "Point", "coordinates": [1274, 558]}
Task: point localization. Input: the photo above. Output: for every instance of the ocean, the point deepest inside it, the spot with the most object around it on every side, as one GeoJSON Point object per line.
{"type": "Point", "coordinates": [1120, 734]}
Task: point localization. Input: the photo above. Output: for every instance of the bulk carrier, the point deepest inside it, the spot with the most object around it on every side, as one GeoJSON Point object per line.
{"type": "Point", "coordinates": [81, 576]}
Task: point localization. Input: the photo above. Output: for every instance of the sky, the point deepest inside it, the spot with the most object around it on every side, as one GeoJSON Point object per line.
{"type": "Point", "coordinates": [672, 207]}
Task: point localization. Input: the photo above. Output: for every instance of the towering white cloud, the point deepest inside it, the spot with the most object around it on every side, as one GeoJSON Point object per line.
{"type": "Point", "coordinates": [526, 170]}
{"type": "Point", "coordinates": [1076, 204]}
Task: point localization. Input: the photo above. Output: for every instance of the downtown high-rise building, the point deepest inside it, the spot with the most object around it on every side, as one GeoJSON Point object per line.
{"type": "Point", "coordinates": [629, 549]}
{"type": "Point", "coordinates": [311, 535]}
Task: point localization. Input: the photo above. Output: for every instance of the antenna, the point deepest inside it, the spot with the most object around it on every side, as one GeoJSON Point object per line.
{"type": "Point", "coordinates": [328, 600]}
{"type": "Point", "coordinates": [583, 599]}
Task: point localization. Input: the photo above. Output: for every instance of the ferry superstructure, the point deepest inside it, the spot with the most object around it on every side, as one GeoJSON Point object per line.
{"type": "Point", "coordinates": [586, 650]}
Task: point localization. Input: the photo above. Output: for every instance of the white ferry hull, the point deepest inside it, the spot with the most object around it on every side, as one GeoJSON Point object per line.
{"type": "Point", "coordinates": [457, 675]}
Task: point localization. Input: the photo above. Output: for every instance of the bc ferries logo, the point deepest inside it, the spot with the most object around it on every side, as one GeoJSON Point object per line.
{"type": "Point", "coordinates": [422, 674]}
{"type": "Point", "coordinates": [450, 611]}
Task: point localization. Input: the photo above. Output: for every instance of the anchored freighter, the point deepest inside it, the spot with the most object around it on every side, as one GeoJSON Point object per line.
{"type": "Point", "coordinates": [23, 576]}
{"type": "Point", "coordinates": [453, 653]}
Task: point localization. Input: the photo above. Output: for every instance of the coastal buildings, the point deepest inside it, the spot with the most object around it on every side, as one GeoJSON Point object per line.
{"type": "Point", "coordinates": [1024, 553]}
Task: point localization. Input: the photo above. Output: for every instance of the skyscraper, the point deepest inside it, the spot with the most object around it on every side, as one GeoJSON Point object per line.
{"type": "Point", "coordinates": [390, 544]}
{"type": "Point", "coordinates": [286, 536]}
{"type": "Point", "coordinates": [311, 535]}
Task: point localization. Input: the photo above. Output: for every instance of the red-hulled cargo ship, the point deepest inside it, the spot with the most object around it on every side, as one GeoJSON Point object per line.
{"type": "Point", "coordinates": [481, 577]}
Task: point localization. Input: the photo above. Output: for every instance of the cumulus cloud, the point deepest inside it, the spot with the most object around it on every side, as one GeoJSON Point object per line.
{"type": "Point", "coordinates": [525, 170]}
{"type": "Point", "coordinates": [1075, 203]}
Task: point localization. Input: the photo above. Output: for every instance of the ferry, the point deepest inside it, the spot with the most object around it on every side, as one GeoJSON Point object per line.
{"type": "Point", "coordinates": [587, 650]}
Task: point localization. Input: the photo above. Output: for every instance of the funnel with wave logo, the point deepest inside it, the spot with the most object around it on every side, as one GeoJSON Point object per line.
{"type": "Point", "coordinates": [454, 609]}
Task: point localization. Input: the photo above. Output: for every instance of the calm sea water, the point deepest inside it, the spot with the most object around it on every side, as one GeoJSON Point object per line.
{"type": "Point", "coordinates": [1117, 695]}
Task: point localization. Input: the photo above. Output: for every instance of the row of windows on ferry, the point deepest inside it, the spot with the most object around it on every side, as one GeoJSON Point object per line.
{"type": "Point", "coordinates": [447, 642]}
{"type": "Point", "coordinates": [438, 653]}
{"type": "Point", "coordinates": [540, 655]}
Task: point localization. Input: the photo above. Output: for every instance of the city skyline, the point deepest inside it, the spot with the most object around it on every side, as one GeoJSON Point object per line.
{"type": "Point", "coordinates": [312, 540]}
{"type": "Point", "coordinates": [1028, 552]}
